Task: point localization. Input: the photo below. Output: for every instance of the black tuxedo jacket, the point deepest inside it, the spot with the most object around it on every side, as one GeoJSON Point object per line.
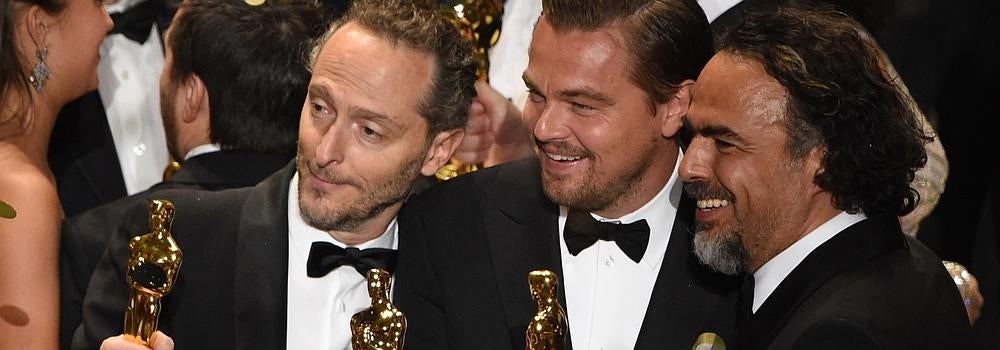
{"type": "Point", "coordinates": [869, 287]}
{"type": "Point", "coordinates": [466, 247]}
{"type": "Point", "coordinates": [231, 291]}
{"type": "Point", "coordinates": [83, 158]}
{"type": "Point", "coordinates": [85, 236]}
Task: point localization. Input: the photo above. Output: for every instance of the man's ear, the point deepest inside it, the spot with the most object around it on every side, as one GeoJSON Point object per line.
{"type": "Point", "coordinates": [813, 163]}
{"type": "Point", "coordinates": [195, 99]}
{"type": "Point", "coordinates": [673, 110]}
{"type": "Point", "coordinates": [443, 145]}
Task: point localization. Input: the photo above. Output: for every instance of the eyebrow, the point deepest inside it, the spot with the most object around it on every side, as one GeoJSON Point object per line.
{"type": "Point", "coordinates": [319, 90]}
{"type": "Point", "coordinates": [364, 113]}
{"type": "Point", "coordinates": [713, 130]}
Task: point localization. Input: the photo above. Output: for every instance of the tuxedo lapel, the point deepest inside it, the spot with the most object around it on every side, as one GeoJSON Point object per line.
{"type": "Point", "coordinates": [685, 293]}
{"type": "Point", "coordinates": [860, 242]}
{"type": "Point", "coordinates": [522, 234]}
{"type": "Point", "coordinates": [261, 260]}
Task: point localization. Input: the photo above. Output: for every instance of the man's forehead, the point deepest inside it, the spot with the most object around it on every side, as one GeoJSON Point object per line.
{"type": "Point", "coordinates": [734, 86]}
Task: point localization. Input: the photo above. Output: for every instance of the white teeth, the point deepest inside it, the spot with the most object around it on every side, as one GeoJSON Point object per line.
{"type": "Point", "coordinates": [561, 158]}
{"type": "Point", "coordinates": [712, 203]}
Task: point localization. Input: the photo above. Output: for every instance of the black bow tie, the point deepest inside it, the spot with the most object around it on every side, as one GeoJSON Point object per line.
{"type": "Point", "coordinates": [136, 22]}
{"type": "Point", "coordinates": [582, 230]}
{"type": "Point", "coordinates": [325, 256]}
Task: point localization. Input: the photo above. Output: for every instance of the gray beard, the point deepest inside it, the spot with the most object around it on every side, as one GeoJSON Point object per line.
{"type": "Point", "coordinates": [725, 253]}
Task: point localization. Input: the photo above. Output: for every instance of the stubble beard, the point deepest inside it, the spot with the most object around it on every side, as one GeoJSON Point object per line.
{"type": "Point", "coordinates": [595, 191]}
{"type": "Point", "coordinates": [348, 217]}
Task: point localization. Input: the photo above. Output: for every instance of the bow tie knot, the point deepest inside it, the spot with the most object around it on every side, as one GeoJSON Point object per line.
{"type": "Point", "coordinates": [325, 257]}
{"type": "Point", "coordinates": [136, 23]}
{"type": "Point", "coordinates": [582, 231]}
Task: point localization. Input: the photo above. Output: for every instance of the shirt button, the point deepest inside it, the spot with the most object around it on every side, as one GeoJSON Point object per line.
{"type": "Point", "coordinates": [124, 75]}
{"type": "Point", "coordinates": [139, 149]}
{"type": "Point", "coordinates": [608, 261]}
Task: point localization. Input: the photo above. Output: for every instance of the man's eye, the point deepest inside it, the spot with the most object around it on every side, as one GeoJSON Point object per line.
{"type": "Point", "coordinates": [370, 134]}
{"type": "Point", "coordinates": [720, 144]}
{"type": "Point", "coordinates": [581, 107]}
{"type": "Point", "coordinates": [535, 97]}
{"type": "Point", "coordinates": [317, 108]}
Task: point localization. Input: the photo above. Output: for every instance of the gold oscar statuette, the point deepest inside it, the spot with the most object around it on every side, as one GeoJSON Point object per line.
{"type": "Point", "coordinates": [479, 22]}
{"type": "Point", "coordinates": [547, 330]}
{"type": "Point", "coordinates": [381, 326]}
{"type": "Point", "coordinates": [151, 272]}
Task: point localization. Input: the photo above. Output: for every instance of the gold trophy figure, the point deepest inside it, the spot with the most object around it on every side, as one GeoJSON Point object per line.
{"type": "Point", "coordinates": [151, 272]}
{"type": "Point", "coordinates": [381, 326]}
{"type": "Point", "coordinates": [547, 330]}
{"type": "Point", "coordinates": [479, 22]}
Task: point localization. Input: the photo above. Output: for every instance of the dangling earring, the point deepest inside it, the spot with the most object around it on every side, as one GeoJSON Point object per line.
{"type": "Point", "coordinates": [41, 73]}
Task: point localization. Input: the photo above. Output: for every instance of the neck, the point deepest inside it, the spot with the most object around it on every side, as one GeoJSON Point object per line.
{"type": "Point", "coordinates": [33, 139]}
{"type": "Point", "coordinates": [370, 229]}
{"type": "Point", "coordinates": [817, 214]}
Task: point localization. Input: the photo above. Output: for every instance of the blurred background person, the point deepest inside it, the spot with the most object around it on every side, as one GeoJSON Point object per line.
{"type": "Point", "coordinates": [109, 143]}
{"type": "Point", "coordinates": [48, 57]}
{"type": "Point", "coordinates": [231, 93]}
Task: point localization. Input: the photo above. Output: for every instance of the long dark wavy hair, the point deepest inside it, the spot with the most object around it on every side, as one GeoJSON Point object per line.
{"type": "Point", "coordinates": [839, 97]}
{"type": "Point", "coordinates": [14, 86]}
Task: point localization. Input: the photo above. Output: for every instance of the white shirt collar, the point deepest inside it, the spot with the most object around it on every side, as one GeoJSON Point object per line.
{"type": "Point", "coordinates": [202, 149]}
{"type": "Point", "coordinates": [769, 276]}
{"type": "Point", "coordinates": [715, 8]}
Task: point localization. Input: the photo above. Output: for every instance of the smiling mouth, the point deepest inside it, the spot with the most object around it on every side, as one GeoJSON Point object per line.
{"type": "Point", "coordinates": [562, 158]}
{"type": "Point", "coordinates": [711, 204]}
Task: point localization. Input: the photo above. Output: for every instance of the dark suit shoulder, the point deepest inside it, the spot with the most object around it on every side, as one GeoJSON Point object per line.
{"type": "Point", "coordinates": [522, 173]}
{"type": "Point", "coordinates": [901, 300]}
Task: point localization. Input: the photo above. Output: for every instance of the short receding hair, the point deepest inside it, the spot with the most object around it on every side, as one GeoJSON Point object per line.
{"type": "Point", "coordinates": [427, 30]}
{"type": "Point", "coordinates": [668, 41]}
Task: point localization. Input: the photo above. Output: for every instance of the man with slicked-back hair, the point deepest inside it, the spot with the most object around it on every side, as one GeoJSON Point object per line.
{"type": "Point", "coordinates": [599, 204]}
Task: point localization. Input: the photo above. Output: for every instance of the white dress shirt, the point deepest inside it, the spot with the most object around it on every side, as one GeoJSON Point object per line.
{"type": "Point", "coordinates": [509, 57]}
{"type": "Point", "coordinates": [129, 85]}
{"type": "Point", "coordinates": [320, 309]}
{"type": "Point", "coordinates": [770, 275]}
{"type": "Point", "coordinates": [606, 292]}
{"type": "Point", "coordinates": [715, 8]}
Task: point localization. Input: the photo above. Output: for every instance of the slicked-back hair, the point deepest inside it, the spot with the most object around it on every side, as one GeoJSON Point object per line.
{"type": "Point", "coordinates": [840, 97]}
{"type": "Point", "coordinates": [668, 40]}
{"type": "Point", "coordinates": [14, 86]}
{"type": "Point", "coordinates": [250, 59]}
{"type": "Point", "coordinates": [427, 30]}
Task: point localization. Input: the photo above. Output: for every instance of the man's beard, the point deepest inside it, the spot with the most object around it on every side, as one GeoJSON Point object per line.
{"type": "Point", "coordinates": [593, 191]}
{"type": "Point", "coordinates": [722, 251]}
{"type": "Point", "coordinates": [375, 198]}
{"type": "Point", "coordinates": [169, 116]}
